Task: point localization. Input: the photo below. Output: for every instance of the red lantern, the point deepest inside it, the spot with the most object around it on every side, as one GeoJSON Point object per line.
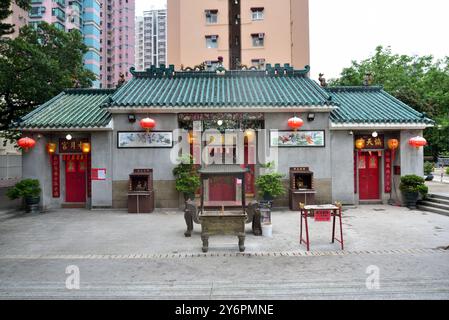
{"type": "Point", "coordinates": [26, 143]}
{"type": "Point", "coordinates": [417, 142]}
{"type": "Point", "coordinates": [295, 123]}
{"type": "Point", "coordinates": [393, 144]}
{"type": "Point", "coordinates": [147, 124]}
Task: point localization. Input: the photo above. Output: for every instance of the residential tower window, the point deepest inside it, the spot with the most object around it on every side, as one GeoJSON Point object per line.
{"type": "Point", "coordinates": [257, 13]}
{"type": "Point", "coordinates": [258, 39]}
{"type": "Point", "coordinates": [258, 63]}
{"type": "Point", "coordinates": [212, 42]}
{"type": "Point", "coordinates": [211, 16]}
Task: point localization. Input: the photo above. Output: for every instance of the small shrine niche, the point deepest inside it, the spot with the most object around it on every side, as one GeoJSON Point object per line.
{"type": "Point", "coordinates": [301, 187]}
{"type": "Point", "coordinates": [140, 191]}
{"type": "Point", "coordinates": [301, 178]}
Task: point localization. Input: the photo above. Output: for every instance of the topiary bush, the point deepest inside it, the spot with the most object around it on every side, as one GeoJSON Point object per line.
{"type": "Point", "coordinates": [413, 183]}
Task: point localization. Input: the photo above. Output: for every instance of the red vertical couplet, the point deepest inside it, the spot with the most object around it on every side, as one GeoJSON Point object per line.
{"type": "Point", "coordinates": [355, 171]}
{"type": "Point", "coordinates": [89, 176]}
{"type": "Point", "coordinates": [387, 171]}
{"type": "Point", "coordinates": [55, 179]}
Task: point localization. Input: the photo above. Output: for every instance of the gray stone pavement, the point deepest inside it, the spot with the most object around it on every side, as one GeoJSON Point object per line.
{"type": "Point", "coordinates": [147, 256]}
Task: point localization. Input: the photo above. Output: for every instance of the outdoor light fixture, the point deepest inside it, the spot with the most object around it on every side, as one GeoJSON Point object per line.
{"type": "Point", "coordinates": [311, 116]}
{"type": "Point", "coordinates": [375, 134]}
{"type": "Point", "coordinates": [220, 122]}
{"type": "Point", "coordinates": [51, 147]}
{"type": "Point", "coordinates": [131, 118]}
{"type": "Point", "coordinates": [68, 137]}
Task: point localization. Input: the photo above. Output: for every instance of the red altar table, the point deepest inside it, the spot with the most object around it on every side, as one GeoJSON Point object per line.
{"type": "Point", "coordinates": [333, 211]}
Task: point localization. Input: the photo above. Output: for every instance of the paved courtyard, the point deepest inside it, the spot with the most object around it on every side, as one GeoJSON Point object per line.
{"type": "Point", "coordinates": [147, 256]}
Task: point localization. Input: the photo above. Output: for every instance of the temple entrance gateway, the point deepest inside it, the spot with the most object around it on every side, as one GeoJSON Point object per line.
{"type": "Point", "coordinates": [219, 138]}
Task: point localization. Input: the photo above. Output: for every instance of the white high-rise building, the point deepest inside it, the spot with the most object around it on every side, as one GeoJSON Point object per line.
{"type": "Point", "coordinates": [151, 39]}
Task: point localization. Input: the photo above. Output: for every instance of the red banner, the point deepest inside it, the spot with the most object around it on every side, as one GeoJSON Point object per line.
{"type": "Point", "coordinates": [387, 171]}
{"type": "Point", "coordinates": [89, 176]}
{"type": "Point", "coordinates": [55, 179]}
{"type": "Point", "coordinates": [322, 215]}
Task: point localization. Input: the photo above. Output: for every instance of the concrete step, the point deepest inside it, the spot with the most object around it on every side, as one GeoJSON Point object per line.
{"type": "Point", "coordinates": [433, 209]}
{"type": "Point", "coordinates": [437, 200]}
{"type": "Point", "coordinates": [433, 204]}
{"type": "Point", "coordinates": [438, 196]}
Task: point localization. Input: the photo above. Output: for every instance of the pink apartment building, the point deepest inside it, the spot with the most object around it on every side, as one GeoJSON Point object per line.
{"type": "Point", "coordinates": [117, 40]}
{"type": "Point", "coordinates": [18, 18]}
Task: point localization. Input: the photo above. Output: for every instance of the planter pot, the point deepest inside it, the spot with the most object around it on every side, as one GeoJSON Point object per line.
{"type": "Point", "coordinates": [410, 199]}
{"type": "Point", "coordinates": [268, 197]}
{"type": "Point", "coordinates": [189, 196]}
{"type": "Point", "coordinates": [32, 204]}
{"type": "Point", "coordinates": [267, 230]}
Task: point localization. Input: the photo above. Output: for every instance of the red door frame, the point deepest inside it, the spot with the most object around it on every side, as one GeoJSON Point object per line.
{"type": "Point", "coordinates": [368, 165]}
{"type": "Point", "coordinates": [76, 180]}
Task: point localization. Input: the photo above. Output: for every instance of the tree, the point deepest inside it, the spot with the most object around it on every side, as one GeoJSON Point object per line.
{"type": "Point", "coordinates": [5, 12]}
{"type": "Point", "coordinates": [419, 81]}
{"type": "Point", "coordinates": [36, 66]}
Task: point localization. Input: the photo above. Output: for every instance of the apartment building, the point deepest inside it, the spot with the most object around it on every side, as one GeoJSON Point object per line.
{"type": "Point", "coordinates": [18, 18]}
{"type": "Point", "coordinates": [151, 39]}
{"type": "Point", "coordinates": [117, 41]}
{"type": "Point", "coordinates": [247, 33]}
{"type": "Point", "coordinates": [82, 15]}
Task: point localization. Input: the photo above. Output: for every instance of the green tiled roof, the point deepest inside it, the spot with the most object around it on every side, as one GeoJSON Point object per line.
{"type": "Point", "coordinates": [372, 105]}
{"type": "Point", "coordinates": [73, 108]}
{"type": "Point", "coordinates": [276, 87]}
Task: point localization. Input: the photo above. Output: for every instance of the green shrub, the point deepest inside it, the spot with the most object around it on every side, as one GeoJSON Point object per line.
{"type": "Point", "coordinates": [270, 184]}
{"type": "Point", "coordinates": [413, 183]}
{"type": "Point", "coordinates": [428, 167]}
{"type": "Point", "coordinates": [187, 179]}
{"type": "Point", "coordinates": [26, 188]}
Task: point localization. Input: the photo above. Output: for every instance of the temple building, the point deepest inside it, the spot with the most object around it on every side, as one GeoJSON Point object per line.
{"type": "Point", "coordinates": [352, 147]}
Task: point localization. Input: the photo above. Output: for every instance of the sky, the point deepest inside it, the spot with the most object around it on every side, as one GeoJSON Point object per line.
{"type": "Point", "coordinates": [346, 30]}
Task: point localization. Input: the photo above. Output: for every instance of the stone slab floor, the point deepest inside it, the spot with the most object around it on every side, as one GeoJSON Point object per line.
{"type": "Point", "coordinates": [123, 256]}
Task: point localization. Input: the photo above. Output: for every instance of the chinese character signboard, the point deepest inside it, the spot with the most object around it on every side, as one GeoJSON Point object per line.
{"type": "Point", "coordinates": [371, 142]}
{"type": "Point", "coordinates": [55, 180]}
{"type": "Point", "coordinates": [388, 170]}
{"type": "Point", "coordinates": [71, 146]}
{"type": "Point", "coordinates": [322, 215]}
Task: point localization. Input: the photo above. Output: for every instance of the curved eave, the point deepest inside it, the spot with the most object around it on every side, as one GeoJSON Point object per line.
{"type": "Point", "coordinates": [379, 125]}
{"type": "Point", "coordinates": [108, 127]}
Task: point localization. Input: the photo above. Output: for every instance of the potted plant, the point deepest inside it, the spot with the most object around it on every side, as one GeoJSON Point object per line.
{"type": "Point", "coordinates": [428, 169]}
{"type": "Point", "coordinates": [412, 186]}
{"type": "Point", "coordinates": [269, 185]}
{"type": "Point", "coordinates": [29, 190]}
{"type": "Point", "coordinates": [187, 179]}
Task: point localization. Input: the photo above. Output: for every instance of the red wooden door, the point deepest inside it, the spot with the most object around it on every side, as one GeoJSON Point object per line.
{"type": "Point", "coordinates": [369, 176]}
{"type": "Point", "coordinates": [222, 189]}
{"type": "Point", "coordinates": [75, 180]}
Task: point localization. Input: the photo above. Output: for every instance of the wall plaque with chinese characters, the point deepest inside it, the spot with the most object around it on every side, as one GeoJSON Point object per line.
{"type": "Point", "coordinates": [371, 142]}
{"type": "Point", "coordinates": [71, 146]}
{"type": "Point", "coordinates": [55, 179]}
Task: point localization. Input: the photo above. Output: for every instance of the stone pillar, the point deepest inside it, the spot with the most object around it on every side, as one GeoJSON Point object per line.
{"type": "Point", "coordinates": [101, 152]}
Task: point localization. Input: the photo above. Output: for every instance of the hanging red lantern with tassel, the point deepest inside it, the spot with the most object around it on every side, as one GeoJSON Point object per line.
{"type": "Point", "coordinates": [417, 142]}
{"type": "Point", "coordinates": [26, 143]}
{"type": "Point", "coordinates": [147, 124]}
{"type": "Point", "coordinates": [295, 123]}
